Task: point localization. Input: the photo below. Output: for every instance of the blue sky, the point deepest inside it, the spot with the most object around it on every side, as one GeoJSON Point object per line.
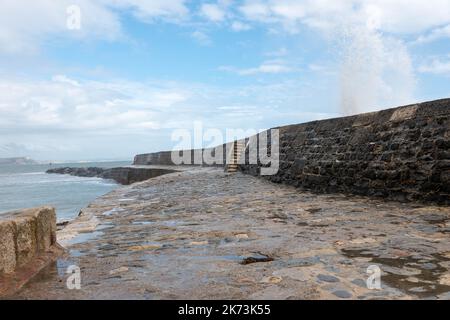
{"type": "Point", "coordinates": [137, 70]}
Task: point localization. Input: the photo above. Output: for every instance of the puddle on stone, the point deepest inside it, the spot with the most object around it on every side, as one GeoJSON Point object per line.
{"type": "Point", "coordinates": [104, 226]}
{"type": "Point", "coordinates": [430, 228]}
{"type": "Point", "coordinates": [297, 262]}
{"type": "Point", "coordinates": [62, 267]}
{"type": "Point", "coordinates": [112, 211]}
{"type": "Point", "coordinates": [426, 283]}
{"type": "Point", "coordinates": [435, 218]}
{"type": "Point", "coordinates": [142, 223]}
{"type": "Point", "coordinates": [171, 223]}
{"type": "Point", "coordinates": [75, 253]}
{"type": "Point", "coordinates": [83, 237]}
{"type": "Point", "coordinates": [55, 271]}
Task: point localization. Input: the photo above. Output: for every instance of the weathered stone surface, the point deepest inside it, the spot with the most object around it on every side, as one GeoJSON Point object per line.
{"type": "Point", "coordinates": [327, 278]}
{"type": "Point", "coordinates": [179, 236]}
{"type": "Point", "coordinates": [7, 247]}
{"type": "Point", "coordinates": [45, 228]}
{"type": "Point", "coordinates": [25, 239]}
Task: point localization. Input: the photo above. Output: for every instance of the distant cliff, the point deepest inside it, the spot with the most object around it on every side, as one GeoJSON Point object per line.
{"type": "Point", "coordinates": [17, 160]}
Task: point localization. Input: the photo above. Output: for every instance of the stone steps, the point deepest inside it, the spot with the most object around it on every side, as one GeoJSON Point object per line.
{"type": "Point", "coordinates": [233, 163]}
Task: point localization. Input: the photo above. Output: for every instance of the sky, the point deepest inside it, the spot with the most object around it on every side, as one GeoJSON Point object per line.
{"type": "Point", "coordinates": [108, 79]}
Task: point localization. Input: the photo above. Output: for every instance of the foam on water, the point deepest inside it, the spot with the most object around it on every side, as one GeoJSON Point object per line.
{"type": "Point", "coordinates": [25, 186]}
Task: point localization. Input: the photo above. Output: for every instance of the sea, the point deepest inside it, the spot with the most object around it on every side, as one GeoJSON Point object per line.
{"type": "Point", "coordinates": [28, 186]}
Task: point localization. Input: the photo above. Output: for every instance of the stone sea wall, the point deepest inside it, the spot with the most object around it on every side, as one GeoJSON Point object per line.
{"type": "Point", "coordinates": [401, 154]}
{"type": "Point", "coordinates": [195, 157]}
{"type": "Point", "coordinates": [24, 236]}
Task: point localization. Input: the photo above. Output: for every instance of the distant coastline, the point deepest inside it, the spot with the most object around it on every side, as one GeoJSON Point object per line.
{"type": "Point", "coordinates": [18, 161]}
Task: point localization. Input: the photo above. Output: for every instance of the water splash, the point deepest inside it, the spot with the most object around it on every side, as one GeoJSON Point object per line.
{"type": "Point", "coordinates": [376, 70]}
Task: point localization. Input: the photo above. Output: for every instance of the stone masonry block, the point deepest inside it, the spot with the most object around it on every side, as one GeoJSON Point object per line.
{"type": "Point", "coordinates": [25, 239]}
{"type": "Point", "coordinates": [45, 228]}
{"type": "Point", "coordinates": [7, 247]}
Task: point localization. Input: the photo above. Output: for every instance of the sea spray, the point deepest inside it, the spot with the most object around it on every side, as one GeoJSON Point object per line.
{"type": "Point", "coordinates": [375, 71]}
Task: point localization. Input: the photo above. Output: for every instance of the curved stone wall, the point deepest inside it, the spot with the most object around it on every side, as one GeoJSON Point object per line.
{"type": "Point", "coordinates": [196, 157]}
{"type": "Point", "coordinates": [400, 154]}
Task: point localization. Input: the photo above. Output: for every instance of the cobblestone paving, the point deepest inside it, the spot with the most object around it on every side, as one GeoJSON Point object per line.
{"type": "Point", "coordinates": [206, 234]}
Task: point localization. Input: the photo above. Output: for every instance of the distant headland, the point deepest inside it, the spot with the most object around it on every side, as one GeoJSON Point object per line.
{"type": "Point", "coordinates": [18, 161]}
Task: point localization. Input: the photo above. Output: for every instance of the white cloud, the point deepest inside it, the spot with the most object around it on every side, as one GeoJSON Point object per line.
{"type": "Point", "coordinates": [436, 66]}
{"type": "Point", "coordinates": [267, 67]}
{"type": "Point", "coordinates": [25, 148]}
{"type": "Point", "coordinates": [240, 26]}
{"type": "Point", "coordinates": [436, 34]}
{"type": "Point", "coordinates": [118, 106]}
{"type": "Point", "coordinates": [213, 12]}
{"type": "Point", "coordinates": [395, 16]}
{"type": "Point", "coordinates": [410, 16]}
{"type": "Point", "coordinates": [201, 37]}
{"type": "Point", "coordinates": [25, 26]}
{"type": "Point", "coordinates": [256, 10]}
{"type": "Point", "coordinates": [148, 10]}
{"type": "Point", "coordinates": [277, 53]}
{"type": "Point", "coordinates": [66, 104]}
{"type": "Point", "coordinates": [64, 79]}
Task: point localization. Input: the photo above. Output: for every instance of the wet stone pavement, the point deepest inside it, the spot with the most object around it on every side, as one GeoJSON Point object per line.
{"type": "Point", "coordinates": [205, 234]}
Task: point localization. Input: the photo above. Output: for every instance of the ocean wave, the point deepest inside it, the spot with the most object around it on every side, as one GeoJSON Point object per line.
{"type": "Point", "coordinates": [61, 180]}
{"type": "Point", "coordinates": [30, 173]}
{"type": "Point", "coordinates": [103, 182]}
{"type": "Point", "coordinates": [21, 174]}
